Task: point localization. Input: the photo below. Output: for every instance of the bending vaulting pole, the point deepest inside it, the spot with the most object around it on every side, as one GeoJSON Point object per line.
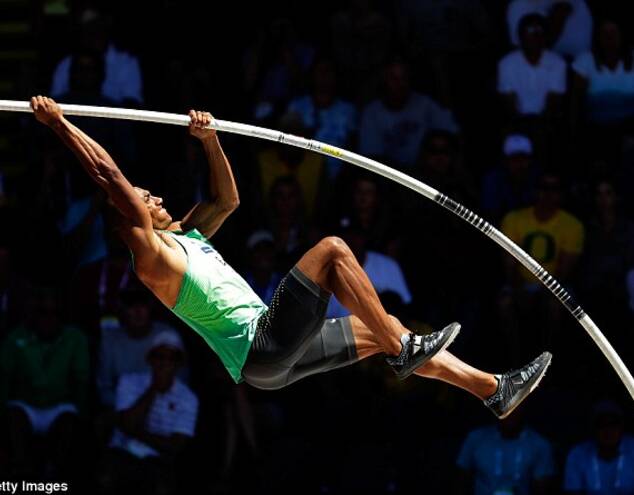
{"type": "Point", "coordinates": [479, 223]}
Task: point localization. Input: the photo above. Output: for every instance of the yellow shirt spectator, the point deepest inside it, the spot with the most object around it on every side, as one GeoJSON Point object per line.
{"type": "Point", "coordinates": [544, 241]}
{"type": "Point", "coordinates": [308, 173]}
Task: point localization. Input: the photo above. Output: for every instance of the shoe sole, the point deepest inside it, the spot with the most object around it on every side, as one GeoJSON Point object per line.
{"type": "Point", "coordinates": [404, 374]}
{"type": "Point", "coordinates": [520, 397]}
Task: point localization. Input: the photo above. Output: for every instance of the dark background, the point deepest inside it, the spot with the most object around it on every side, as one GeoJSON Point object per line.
{"type": "Point", "coordinates": [356, 430]}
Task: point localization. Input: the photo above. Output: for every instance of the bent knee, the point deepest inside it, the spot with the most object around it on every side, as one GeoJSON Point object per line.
{"type": "Point", "coordinates": [335, 247]}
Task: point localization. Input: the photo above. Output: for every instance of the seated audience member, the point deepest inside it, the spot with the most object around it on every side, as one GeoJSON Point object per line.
{"type": "Point", "coordinates": [366, 208]}
{"type": "Point", "coordinates": [324, 114]}
{"type": "Point", "coordinates": [603, 89]}
{"type": "Point", "coordinates": [551, 235]}
{"type": "Point", "coordinates": [262, 275]}
{"type": "Point", "coordinates": [608, 252]}
{"type": "Point", "coordinates": [508, 458]}
{"type": "Point", "coordinates": [307, 167]}
{"type": "Point", "coordinates": [511, 185]}
{"type": "Point", "coordinates": [532, 79]}
{"type": "Point", "coordinates": [569, 22]}
{"type": "Point", "coordinates": [383, 271]}
{"type": "Point", "coordinates": [555, 239]}
{"type": "Point", "coordinates": [440, 165]}
{"type": "Point", "coordinates": [156, 417]}
{"type": "Point", "coordinates": [449, 42]}
{"type": "Point", "coordinates": [605, 464]}
{"type": "Point", "coordinates": [122, 74]}
{"type": "Point", "coordinates": [360, 37]}
{"type": "Point", "coordinates": [274, 68]}
{"type": "Point", "coordinates": [123, 349]}
{"type": "Point", "coordinates": [44, 374]}
{"type": "Point", "coordinates": [286, 219]}
{"type": "Point", "coordinates": [394, 125]}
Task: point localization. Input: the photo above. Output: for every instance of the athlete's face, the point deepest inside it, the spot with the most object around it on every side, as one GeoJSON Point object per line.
{"type": "Point", "coordinates": [160, 218]}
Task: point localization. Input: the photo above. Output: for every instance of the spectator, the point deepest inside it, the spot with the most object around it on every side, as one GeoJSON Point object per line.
{"type": "Point", "coordinates": [532, 80]}
{"type": "Point", "coordinates": [395, 125]}
{"type": "Point", "coordinates": [274, 67]}
{"type": "Point", "coordinates": [554, 238]}
{"type": "Point", "coordinates": [440, 165]}
{"type": "Point", "coordinates": [156, 418]}
{"type": "Point", "coordinates": [366, 207]}
{"type": "Point", "coordinates": [123, 349]}
{"type": "Point", "coordinates": [43, 383]}
{"type": "Point", "coordinates": [609, 251]}
{"type": "Point", "coordinates": [122, 74]}
{"type": "Point", "coordinates": [548, 233]}
{"type": "Point", "coordinates": [326, 117]}
{"type": "Point", "coordinates": [436, 237]}
{"type": "Point", "coordinates": [603, 88]}
{"type": "Point", "coordinates": [512, 185]}
{"type": "Point", "coordinates": [287, 221]}
{"type": "Point", "coordinates": [281, 161]}
{"type": "Point", "coordinates": [448, 41]}
{"type": "Point", "coordinates": [262, 275]}
{"type": "Point", "coordinates": [360, 37]}
{"type": "Point", "coordinates": [383, 271]}
{"type": "Point", "coordinates": [506, 458]}
{"type": "Point", "coordinates": [604, 465]}
{"type": "Point", "coordinates": [570, 23]}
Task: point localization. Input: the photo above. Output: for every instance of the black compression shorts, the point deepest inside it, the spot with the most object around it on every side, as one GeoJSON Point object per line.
{"type": "Point", "coordinates": [294, 340]}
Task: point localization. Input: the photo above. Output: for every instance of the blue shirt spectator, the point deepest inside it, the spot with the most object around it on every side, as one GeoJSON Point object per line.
{"type": "Point", "coordinates": [502, 464]}
{"type": "Point", "coordinates": [604, 465]}
{"type": "Point", "coordinates": [329, 118]}
{"type": "Point", "coordinates": [587, 473]}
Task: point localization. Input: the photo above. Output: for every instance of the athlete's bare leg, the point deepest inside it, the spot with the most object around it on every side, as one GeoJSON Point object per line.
{"type": "Point", "coordinates": [332, 265]}
{"type": "Point", "coordinates": [443, 366]}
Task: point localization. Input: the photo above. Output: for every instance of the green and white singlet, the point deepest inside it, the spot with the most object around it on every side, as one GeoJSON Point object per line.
{"type": "Point", "coordinates": [217, 302]}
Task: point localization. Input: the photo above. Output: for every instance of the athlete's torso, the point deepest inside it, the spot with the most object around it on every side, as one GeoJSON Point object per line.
{"type": "Point", "coordinates": [192, 279]}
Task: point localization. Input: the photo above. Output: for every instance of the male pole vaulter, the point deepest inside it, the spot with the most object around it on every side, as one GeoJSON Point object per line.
{"type": "Point", "coordinates": [271, 347]}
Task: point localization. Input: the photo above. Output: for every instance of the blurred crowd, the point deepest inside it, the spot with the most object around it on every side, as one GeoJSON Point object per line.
{"type": "Point", "coordinates": [521, 110]}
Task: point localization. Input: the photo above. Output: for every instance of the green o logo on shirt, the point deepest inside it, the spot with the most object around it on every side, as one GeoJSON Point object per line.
{"type": "Point", "coordinates": [540, 245]}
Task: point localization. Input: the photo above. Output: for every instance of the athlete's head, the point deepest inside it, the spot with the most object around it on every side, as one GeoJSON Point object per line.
{"type": "Point", "coordinates": [160, 218]}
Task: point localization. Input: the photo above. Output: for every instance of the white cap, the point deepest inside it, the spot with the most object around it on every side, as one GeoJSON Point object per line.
{"type": "Point", "coordinates": [167, 338]}
{"type": "Point", "coordinates": [517, 144]}
{"type": "Point", "coordinates": [259, 236]}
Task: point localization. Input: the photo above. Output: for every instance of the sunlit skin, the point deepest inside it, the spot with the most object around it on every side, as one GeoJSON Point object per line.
{"type": "Point", "coordinates": [161, 263]}
{"type": "Point", "coordinates": [161, 219]}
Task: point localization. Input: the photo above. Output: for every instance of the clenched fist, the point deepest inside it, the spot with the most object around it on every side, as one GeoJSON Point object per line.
{"type": "Point", "coordinates": [46, 110]}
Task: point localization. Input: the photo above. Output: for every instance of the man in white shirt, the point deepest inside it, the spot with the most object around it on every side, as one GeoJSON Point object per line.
{"type": "Point", "coordinates": [532, 80]}
{"type": "Point", "coordinates": [393, 127]}
{"type": "Point", "coordinates": [123, 349]}
{"type": "Point", "coordinates": [156, 416]}
{"type": "Point", "coordinates": [122, 81]}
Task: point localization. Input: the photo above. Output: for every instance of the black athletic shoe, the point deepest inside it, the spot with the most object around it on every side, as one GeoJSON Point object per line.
{"type": "Point", "coordinates": [418, 349]}
{"type": "Point", "coordinates": [514, 386]}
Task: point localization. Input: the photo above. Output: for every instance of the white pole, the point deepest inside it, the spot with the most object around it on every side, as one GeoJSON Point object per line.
{"type": "Point", "coordinates": [376, 167]}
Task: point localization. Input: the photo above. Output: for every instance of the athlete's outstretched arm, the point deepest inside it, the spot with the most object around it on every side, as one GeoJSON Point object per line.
{"type": "Point", "coordinates": [207, 217]}
{"type": "Point", "coordinates": [95, 160]}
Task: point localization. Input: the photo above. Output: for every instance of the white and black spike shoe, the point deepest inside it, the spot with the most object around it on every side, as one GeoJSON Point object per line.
{"type": "Point", "coordinates": [418, 349]}
{"type": "Point", "coordinates": [514, 386]}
